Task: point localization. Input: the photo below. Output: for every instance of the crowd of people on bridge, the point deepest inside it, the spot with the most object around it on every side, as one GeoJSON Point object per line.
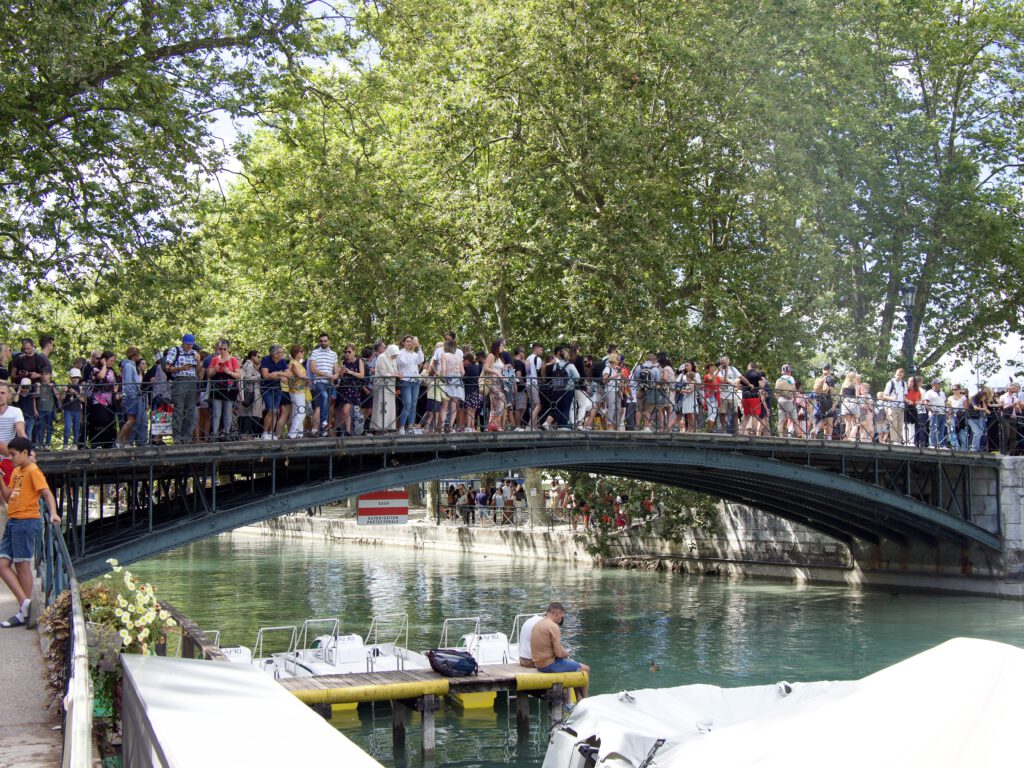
{"type": "Point", "coordinates": [189, 393]}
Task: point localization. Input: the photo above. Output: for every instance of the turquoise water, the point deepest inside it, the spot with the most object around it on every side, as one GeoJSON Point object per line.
{"type": "Point", "coordinates": [697, 630]}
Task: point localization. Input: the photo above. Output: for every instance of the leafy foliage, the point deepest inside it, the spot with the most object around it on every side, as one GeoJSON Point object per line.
{"type": "Point", "coordinates": [697, 177]}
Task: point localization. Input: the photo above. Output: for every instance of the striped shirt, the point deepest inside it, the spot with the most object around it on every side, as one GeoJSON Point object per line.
{"type": "Point", "coordinates": [325, 360]}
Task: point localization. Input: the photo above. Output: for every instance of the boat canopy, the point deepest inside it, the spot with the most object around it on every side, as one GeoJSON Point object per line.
{"type": "Point", "coordinates": [186, 712]}
{"type": "Point", "coordinates": [954, 705]}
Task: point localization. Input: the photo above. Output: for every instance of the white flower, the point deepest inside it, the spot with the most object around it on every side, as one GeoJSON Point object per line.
{"type": "Point", "coordinates": [118, 612]}
{"type": "Point", "coordinates": [164, 615]}
{"type": "Point", "coordinates": [144, 633]}
{"type": "Point", "coordinates": [111, 561]}
{"type": "Point", "coordinates": [172, 623]}
{"type": "Point", "coordinates": [122, 602]}
{"type": "Point", "coordinates": [126, 637]}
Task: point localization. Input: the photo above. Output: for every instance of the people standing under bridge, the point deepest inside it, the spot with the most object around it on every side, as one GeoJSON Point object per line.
{"type": "Point", "coordinates": [546, 647]}
{"type": "Point", "coordinates": [18, 545]}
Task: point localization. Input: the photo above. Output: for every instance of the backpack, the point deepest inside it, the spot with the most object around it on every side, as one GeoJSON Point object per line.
{"type": "Point", "coordinates": [558, 379]}
{"type": "Point", "coordinates": [644, 377]}
{"type": "Point", "coordinates": [166, 365]}
{"type": "Point", "coordinates": [452, 663]}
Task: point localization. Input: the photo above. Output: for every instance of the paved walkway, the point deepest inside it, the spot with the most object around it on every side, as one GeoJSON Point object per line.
{"type": "Point", "coordinates": [28, 738]}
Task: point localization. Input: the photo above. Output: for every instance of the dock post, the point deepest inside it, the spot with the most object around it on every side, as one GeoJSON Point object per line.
{"type": "Point", "coordinates": [427, 715]}
{"type": "Point", "coordinates": [398, 725]}
{"type": "Point", "coordinates": [523, 715]}
{"type": "Point", "coordinates": [555, 703]}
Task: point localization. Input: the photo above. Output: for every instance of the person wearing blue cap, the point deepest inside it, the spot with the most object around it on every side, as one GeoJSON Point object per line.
{"type": "Point", "coordinates": [181, 364]}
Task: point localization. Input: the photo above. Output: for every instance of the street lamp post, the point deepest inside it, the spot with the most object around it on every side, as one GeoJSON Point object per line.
{"type": "Point", "coordinates": [908, 292]}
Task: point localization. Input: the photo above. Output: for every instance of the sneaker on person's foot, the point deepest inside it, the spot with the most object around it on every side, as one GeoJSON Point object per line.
{"type": "Point", "coordinates": [17, 620]}
{"type": "Point", "coordinates": [265, 436]}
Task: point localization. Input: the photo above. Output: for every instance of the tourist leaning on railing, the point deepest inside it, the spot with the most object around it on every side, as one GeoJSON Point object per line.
{"type": "Point", "coordinates": [217, 398]}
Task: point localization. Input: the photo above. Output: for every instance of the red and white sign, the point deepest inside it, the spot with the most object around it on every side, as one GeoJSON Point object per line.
{"type": "Point", "coordinates": [383, 508]}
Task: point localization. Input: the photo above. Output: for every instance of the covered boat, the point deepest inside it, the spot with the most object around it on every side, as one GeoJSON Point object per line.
{"type": "Point", "coordinates": [955, 705]}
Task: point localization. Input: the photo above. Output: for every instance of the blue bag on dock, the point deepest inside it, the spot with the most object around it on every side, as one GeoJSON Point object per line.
{"type": "Point", "coordinates": [452, 663]}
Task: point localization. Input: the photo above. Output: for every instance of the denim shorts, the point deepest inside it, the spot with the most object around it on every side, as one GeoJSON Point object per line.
{"type": "Point", "coordinates": [272, 399]}
{"type": "Point", "coordinates": [133, 406]}
{"type": "Point", "coordinates": [561, 665]}
{"type": "Point", "coordinates": [19, 542]}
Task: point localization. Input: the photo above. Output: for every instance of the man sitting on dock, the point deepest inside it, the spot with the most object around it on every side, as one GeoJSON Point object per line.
{"type": "Point", "coordinates": [546, 646]}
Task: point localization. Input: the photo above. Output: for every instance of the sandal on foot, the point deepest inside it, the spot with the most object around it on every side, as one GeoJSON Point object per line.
{"type": "Point", "coordinates": [14, 621]}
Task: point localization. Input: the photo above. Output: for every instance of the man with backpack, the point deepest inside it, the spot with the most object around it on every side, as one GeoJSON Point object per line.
{"type": "Point", "coordinates": [645, 378]}
{"type": "Point", "coordinates": [181, 364]}
{"type": "Point", "coordinates": [562, 381]}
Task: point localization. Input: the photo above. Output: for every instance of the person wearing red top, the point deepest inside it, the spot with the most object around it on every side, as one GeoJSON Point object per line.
{"type": "Point", "coordinates": [712, 394]}
{"type": "Point", "coordinates": [224, 371]}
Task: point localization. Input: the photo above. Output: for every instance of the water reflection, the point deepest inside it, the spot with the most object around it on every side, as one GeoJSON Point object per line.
{"type": "Point", "coordinates": [696, 629]}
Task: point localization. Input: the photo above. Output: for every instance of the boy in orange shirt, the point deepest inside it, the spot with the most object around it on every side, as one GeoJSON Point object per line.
{"type": "Point", "coordinates": [28, 486]}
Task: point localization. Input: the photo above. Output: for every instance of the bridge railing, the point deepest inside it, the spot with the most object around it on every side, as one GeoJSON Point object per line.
{"type": "Point", "coordinates": [58, 574]}
{"type": "Point", "coordinates": [549, 517]}
{"type": "Point", "coordinates": [102, 415]}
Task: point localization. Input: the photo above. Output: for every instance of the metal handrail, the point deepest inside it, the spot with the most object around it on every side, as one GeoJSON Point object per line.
{"type": "Point", "coordinates": [59, 574]}
{"type": "Point", "coordinates": [607, 404]}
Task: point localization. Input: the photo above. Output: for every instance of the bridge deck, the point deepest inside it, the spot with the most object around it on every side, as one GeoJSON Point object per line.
{"type": "Point", "coordinates": [395, 686]}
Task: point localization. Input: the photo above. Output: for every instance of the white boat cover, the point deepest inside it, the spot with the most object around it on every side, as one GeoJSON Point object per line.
{"type": "Point", "coordinates": [186, 713]}
{"type": "Point", "coordinates": [955, 705]}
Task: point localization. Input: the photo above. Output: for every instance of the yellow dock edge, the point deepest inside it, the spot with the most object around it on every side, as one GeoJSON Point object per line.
{"type": "Point", "coordinates": [541, 681]}
{"type": "Point", "coordinates": [477, 700]}
{"type": "Point", "coordinates": [389, 692]}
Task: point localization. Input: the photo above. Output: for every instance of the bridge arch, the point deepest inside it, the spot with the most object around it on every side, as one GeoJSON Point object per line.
{"type": "Point", "coordinates": [836, 505]}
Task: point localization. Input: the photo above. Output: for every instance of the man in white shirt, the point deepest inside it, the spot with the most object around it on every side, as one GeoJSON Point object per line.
{"type": "Point", "coordinates": [12, 424]}
{"type": "Point", "coordinates": [728, 378]}
{"type": "Point", "coordinates": [323, 370]}
{"type": "Point", "coordinates": [935, 405]}
{"type": "Point", "coordinates": [525, 654]}
{"type": "Point", "coordinates": [533, 365]}
{"type": "Point", "coordinates": [896, 396]}
{"type": "Point", "coordinates": [1010, 408]}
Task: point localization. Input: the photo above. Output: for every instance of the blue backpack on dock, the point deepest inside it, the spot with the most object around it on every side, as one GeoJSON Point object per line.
{"type": "Point", "coordinates": [452, 663]}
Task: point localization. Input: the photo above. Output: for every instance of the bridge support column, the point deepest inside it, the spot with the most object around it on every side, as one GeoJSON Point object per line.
{"type": "Point", "coordinates": [1011, 514]}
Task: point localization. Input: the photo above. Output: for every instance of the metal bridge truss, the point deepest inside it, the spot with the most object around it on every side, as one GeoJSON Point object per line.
{"type": "Point", "coordinates": [132, 504]}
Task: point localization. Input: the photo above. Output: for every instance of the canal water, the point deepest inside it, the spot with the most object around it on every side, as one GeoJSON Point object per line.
{"type": "Point", "coordinates": [636, 629]}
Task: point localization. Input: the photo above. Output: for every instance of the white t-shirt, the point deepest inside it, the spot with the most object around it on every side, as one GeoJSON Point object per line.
{"type": "Point", "coordinates": [325, 361]}
{"type": "Point", "coordinates": [897, 392]}
{"type": "Point", "coordinates": [524, 637]}
{"type": "Point", "coordinates": [936, 401]}
{"type": "Point", "coordinates": [8, 419]}
{"type": "Point", "coordinates": [409, 363]}
{"type": "Point", "coordinates": [533, 365]}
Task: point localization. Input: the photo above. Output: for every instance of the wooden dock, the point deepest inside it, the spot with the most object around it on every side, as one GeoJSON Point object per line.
{"type": "Point", "coordinates": [419, 690]}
